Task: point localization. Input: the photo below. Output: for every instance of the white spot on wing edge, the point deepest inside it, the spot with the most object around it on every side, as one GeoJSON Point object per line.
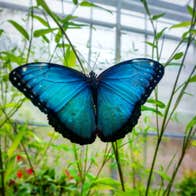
{"type": "Point", "coordinates": [151, 63]}
{"type": "Point", "coordinates": [24, 69]}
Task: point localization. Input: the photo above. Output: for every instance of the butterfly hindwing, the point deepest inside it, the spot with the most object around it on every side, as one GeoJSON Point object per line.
{"type": "Point", "coordinates": [63, 94]}
{"type": "Point", "coordinates": [121, 91]}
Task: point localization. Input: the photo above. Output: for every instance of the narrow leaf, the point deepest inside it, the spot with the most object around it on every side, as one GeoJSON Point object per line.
{"type": "Point", "coordinates": [43, 4]}
{"type": "Point", "coordinates": [105, 183]}
{"type": "Point", "coordinates": [160, 34]}
{"type": "Point", "coordinates": [41, 20]}
{"type": "Point", "coordinates": [190, 10]}
{"type": "Point", "coordinates": [1, 31]}
{"type": "Point", "coordinates": [178, 55]}
{"type": "Point", "coordinates": [192, 79]}
{"type": "Point", "coordinates": [163, 175]}
{"type": "Point", "coordinates": [90, 4]}
{"type": "Point", "coordinates": [16, 142]}
{"type": "Point", "coordinates": [156, 102]}
{"type": "Point", "coordinates": [58, 36]}
{"type": "Point", "coordinates": [181, 25]}
{"type": "Point", "coordinates": [155, 17]}
{"type": "Point", "coordinates": [191, 123]}
{"type": "Point", "coordinates": [75, 2]}
{"type": "Point", "coordinates": [70, 58]}
{"type": "Point", "coordinates": [150, 109]}
{"type": "Point", "coordinates": [42, 32]}
{"type": "Point", "coordinates": [68, 18]}
{"type": "Point", "coordinates": [151, 44]}
{"type": "Point", "coordinates": [20, 29]}
{"type": "Point", "coordinates": [45, 39]}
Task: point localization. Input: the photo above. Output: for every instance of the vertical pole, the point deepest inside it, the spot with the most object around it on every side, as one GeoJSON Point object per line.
{"type": "Point", "coordinates": [117, 57]}
{"type": "Point", "coordinates": [145, 35]}
{"type": "Point", "coordinates": [118, 31]}
{"type": "Point", "coordinates": [90, 37]}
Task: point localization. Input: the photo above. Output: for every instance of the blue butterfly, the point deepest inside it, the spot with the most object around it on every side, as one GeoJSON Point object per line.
{"type": "Point", "coordinates": [80, 106]}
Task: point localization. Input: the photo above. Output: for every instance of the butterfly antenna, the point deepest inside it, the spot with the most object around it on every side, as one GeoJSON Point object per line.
{"type": "Point", "coordinates": [93, 68]}
{"type": "Point", "coordinates": [88, 65]}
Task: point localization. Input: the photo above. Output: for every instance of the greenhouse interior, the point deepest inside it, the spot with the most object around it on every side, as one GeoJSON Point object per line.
{"type": "Point", "coordinates": [98, 97]}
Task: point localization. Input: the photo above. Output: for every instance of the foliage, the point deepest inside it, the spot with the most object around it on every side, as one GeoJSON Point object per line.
{"type": "Point", "coordinates": [37, 162]}
{"type": "Point", "coordinates": [187, 187]}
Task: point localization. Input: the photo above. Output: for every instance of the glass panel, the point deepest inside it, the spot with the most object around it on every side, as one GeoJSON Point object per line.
{"type": "Point", "coordinates": [103, 44]}
{"type": "Point", "coordinates": [132, 19]}
{"type": "Point", "coordinates": [132, 45]}
{"type": "Point", "coordinates": [103, 15]}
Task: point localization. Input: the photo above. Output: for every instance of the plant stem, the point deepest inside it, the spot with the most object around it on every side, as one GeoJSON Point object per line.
{"type": "Point", "coordinates": [168, 107]}
{"type": "Point", "coordinates": [64, 33]}
{"type": "Point", "coordinates": [116, 153]}
{"type": "Point", "coordinates": [31, 35]}
{"type": "Point", "coordinates": [2, 172]}
{"type": "Point", "coordinates": [186, 143]}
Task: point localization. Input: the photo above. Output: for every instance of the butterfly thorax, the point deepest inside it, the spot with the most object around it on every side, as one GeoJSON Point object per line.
{"type": "Point", "coordinates": [93, 83]}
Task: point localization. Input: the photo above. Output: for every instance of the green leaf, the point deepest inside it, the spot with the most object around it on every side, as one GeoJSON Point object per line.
{"type": "Point", "coordinates": [155, 17]}
{"type": "Point", "coordinates": [181, 25]}
{"type": "Point", "coordinates": [16, 142]}
{"type": "Point", "coordinates": [174, 64]}
{"type": "Point", "coordinates": [20, 29]}
{"type": "Point", "coordinates": [190, 10]}
{"type": "Point", "coordinates": [191, 124]}
{"type": "Point", "coordinates": [41, 20]}
{"type": "Point", "coordinates": [178, 55]}
{"type": "Point", "coordinates": [90, 4]}
{"type": "Point", "coordinates": [45, 39]}
{"type": "Point", "coordinates": [160, 34]}
{"type": "Point", "coordinates": [134, 192]}
{"type": "Point", "coordinates": [192, 79]}
{"type": "Point", "coordinates": [58, 36]}
{"type": "Point", "coordinates": [1, 31]}
{"type": "Point", "coordinates": [70, 58]}
{"type": "Point", "coordinates": [43, 4]}
{"type": "Point", "coordinates": [75, 2]}
{"type": "Point", "coordinates": [163, 175]}
{"type": "Point", "coordinates": [146, 108]}
{"type": "Point", "coordinates": [151, 44]}
{"type": "Point", "coordinates": [42, 32]}
{"type": "Point", "coordinates": [187, 33]}
{"type": "Point", "coordinates": [105, 184]}
{"type": "Point", "coordinates": [159, 103]}
{"type": "Point", "coordinates": [68, 18]}
{"type": "Point", "coordinates": [193, 143]}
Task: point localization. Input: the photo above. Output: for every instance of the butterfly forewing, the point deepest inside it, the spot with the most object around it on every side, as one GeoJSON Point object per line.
{"type": "Point", "coordinates": [121, 91]}
{"type": "Point", "coordinates": [64, 94]}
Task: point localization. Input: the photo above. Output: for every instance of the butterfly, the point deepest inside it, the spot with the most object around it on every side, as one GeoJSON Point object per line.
{"type": "Point", "coordinates": [81, 106]}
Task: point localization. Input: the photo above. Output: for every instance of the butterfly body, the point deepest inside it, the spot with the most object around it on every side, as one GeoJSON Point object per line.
{"type": "Point", "coordinates": [82, 107]}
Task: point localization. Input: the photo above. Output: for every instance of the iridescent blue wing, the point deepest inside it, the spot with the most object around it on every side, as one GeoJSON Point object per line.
{"type": "Point", "coordinates": [121, 91]}
{"type": "Point", "coordinates": [63, 94]}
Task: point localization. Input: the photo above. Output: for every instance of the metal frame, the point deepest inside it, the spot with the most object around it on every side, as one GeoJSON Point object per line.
{"type": "Point", "coordinates": [172, 11]}
{"type": "Point", "coordinates": [120, 6]}
{"type": "Point", "coordinates": [174, 135]}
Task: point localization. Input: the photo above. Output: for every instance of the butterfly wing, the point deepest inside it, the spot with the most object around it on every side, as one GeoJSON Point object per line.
{"type": "Point", "coordinates": [63, 94]}
{"type": "Point", "coordinates": [122, 89]}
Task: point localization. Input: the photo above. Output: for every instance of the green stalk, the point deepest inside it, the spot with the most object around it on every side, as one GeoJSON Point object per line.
{"type": "Point", "coordinates": [116, 153]}
{"type": "Point", "coordinates": [105, 159]}
{"type": "Point", "coordinates": [2, 172]}
{"type": "Point", "coordinates": [50, 13]}
{"type": "Point", "coordinates": [186, 143]}
{"type": "Point", "coordinates": [23, 147]}
{"type": "Point", "coordinates": [180, 96]}
{"type": "Point", "coordinates": [31, 35]}
{"type": "Point", "coordinates": [168, 107]}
